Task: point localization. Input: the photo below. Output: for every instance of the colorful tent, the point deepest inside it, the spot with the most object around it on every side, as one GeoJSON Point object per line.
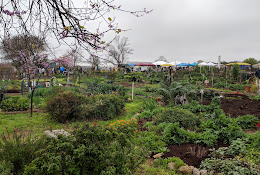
{"type": "Point", "coordinates": [158, 63]}
{"type": "Point", "coordinates": [175, 63]}
{"type": "Point", "coordinates": [183, 64]}
{"type": "Point", "coordinates": [145, 64]}
{"type": "Point", "coordinates": [166, 65]}
{"type": "Point", "coordinates": [131, 64]}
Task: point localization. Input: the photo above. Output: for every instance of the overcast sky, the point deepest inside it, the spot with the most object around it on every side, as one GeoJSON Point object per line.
{"type": "Point", "coordinates": [190, 30]}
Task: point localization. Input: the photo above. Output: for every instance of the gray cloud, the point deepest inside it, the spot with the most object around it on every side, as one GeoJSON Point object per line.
{"type": "Point", "coordinates": [189, 30]}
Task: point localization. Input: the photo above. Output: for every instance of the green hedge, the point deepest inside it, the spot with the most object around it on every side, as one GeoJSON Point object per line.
{"type": "Point", "coordinates": [103, 107]}
{"type": "Point", "coordinates": [69, 105]}
{"type": "Point", "coordinates": [185, 118]}
{"type": "Point", "coordinates": [15, 104]}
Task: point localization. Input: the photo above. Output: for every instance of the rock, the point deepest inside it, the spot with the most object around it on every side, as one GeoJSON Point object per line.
{"type": "Point", "coordinates": [171, 165]}
{"type": "Point", "coordinates": [156, 156]}
{"type": "Point", "coordinates": [203, 172]}
{"type": "Point", "coordinates": [136, 114]}
{"type": "Point", "coordinates": [186, 169]}
{"type": "Point", "coordinates": [196, 171]}
{"type": "Point", "coordinates": [54, 133]}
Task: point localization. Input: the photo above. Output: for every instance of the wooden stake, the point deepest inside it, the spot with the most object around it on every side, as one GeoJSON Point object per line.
{"type": "Point", "coordinates": [133, 91]}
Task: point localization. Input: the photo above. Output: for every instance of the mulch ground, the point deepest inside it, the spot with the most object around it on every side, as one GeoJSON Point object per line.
{"type": "Point", "coordinates": [190, 153]}
{"type": "Point", "coordinates": [239, 105]}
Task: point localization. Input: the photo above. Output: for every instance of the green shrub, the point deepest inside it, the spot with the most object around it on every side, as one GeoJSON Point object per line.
{"type": "Point", "coordinates": [40, 92]}
{"type": "Point", "coordinates": [208, 137]}
{"type": "Point", "coordinates": [91, 150]}
{"type": "Point", "coordinates": [15, 104]}
{"type": "Point", "coordinates": [102, 107]}
{"type": "Point", "coordinates": [224, 127]}
{"type": "Point", "coordinates": [169, 93]}
{"type": "Point", "coordinates": [64, 106]}
{"type": "Point", "coordinates": [6, 168]}
{"type": "Point", "coordinates": [247, 121]}
{"type": "Point", "coordinates": [149, 104]}
{"type": "Point", "coordinates": [164, 162]}
{"type": "Point", "coordinates": [255, 97]}
{"type": "Point", "coordinates": [185, 118]}
{"type": "Point", "coordinates": [151, 141]}
{"type": "Point", "coordinates": [236, 87]}
{"type": "Point", "coordinates": [173, 134]}
{"type": "Point", "coordinates": [220, 84]}
{"type": "Point", "coordinates": [229, 166]}
{"type": "Point", "coordinates": [18, 150]}
{"type": "Point", "coordinates": [235, 71]}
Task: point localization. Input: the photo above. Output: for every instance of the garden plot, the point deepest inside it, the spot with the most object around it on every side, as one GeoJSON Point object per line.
{"type": "Point", "coordinates": [192, 154]}
{"type": "Point", "coordinates": [238, 105]}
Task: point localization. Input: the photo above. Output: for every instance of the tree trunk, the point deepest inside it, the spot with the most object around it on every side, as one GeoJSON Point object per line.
{"type": "Point", "coordinates": [32, 102]}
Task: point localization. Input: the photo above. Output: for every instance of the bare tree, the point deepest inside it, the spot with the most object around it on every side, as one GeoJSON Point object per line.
{"type": "Point", "coordinates": [118, 53]}
{"type": "Point", "coordinates": [161, 58]}
{"type": "Point", "coordinates": [75, 54]}
{"type": "Point", "coordinates": [94, 61]}
{"type": "Point", "coordinates": [200, 61]}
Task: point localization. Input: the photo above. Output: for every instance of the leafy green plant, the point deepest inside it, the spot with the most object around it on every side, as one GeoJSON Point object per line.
{"type": "Point", "coordinates": [164, 162]}
{"type": "Point", "coordinates": [235, 71]}
{"type": "Point", "coordinates": [6, 167]}
{"type": "Point", "coordinates": [15, 104]}
{"type": "Point", "coordinates": [236, 87]}
{"type": "Point", "coordinates": [150, 141]}
{"type": "Point", "coordinates": [229, 166]}
{"type": "Point", "coordinates": [18, 150]}
{"type": "Point", "coordinates": [149, 104]}
{"type": "Point", "coordinates": [173, 134]}
{"type": "Point", "coordinates": [247, 121]}
{"type": "Point", "coordinates": [102, 107]}
{"type": "Point", "coordinates": [224, 127]}
{"type": "Point", "coordinates": [185, 118]}
{"type": "Point", "coordinates": [91, 150]}
{"type": "Point", "coordinates": [169, 93]}
{"type": "Point", "coordinates": [255, 97]}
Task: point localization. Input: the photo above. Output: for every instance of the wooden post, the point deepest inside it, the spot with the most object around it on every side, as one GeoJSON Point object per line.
{"type": "Point", "coordinates": [133, 90]}
{"type": "Point", "coordinates": [201, 95]}
{"type": "Point", "coordinates": [212, 79]}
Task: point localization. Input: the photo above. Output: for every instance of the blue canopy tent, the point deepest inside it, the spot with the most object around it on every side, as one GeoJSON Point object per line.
{"type": "Point", "coordinates": [182, 64]}
{"type": "Point", "coordinates": [131, 64]}
{"type": "Point", "coordinates": [194, 64]}
{"type": "Point", "coordinates": [62, 69]}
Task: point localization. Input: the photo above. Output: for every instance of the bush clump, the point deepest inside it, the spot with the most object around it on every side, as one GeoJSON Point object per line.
{"type": "Point", "coordinates": [103, 107]}
{"type": "Point", "coordinates": [91, 150]}
{"type": "Point", "coordinates": [15, 104]}
{"type": "Point", "coordinates": [64, 106]}
{"type": "Point", "coordinates": [247, 121]}
{"type": "Point", "coordinates": [185, 118]}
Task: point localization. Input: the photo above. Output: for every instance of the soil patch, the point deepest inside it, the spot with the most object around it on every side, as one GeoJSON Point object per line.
{"type": "Point", "coordinates": [238, 105]}
{"type": "Point", "coordinates": [192, 154]}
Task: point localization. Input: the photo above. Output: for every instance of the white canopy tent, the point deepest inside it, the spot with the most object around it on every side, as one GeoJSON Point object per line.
{"type": "Point", "coordinates": [203, 64]}
{"type": "Point", "coordinates": [175, 63]}
{"type": "Point", "coordinates": [158, 63]}
{"type": "Point", "coordinates": [211, 64]}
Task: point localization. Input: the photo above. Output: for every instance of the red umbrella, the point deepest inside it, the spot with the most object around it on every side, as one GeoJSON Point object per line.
{"type": "Point", "coordinates": [145, 64]}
